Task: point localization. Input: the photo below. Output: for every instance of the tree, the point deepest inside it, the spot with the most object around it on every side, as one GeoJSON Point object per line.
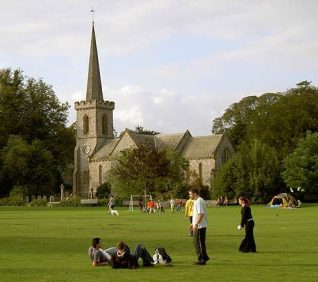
{"type": "Point", "coordinates": [103, 190]}
{"type": "Point", "coordinates": [140, 130]}
{"type": "Point", "coordinates": [301, 166]}
{"type": "Point", "coordinates": [147, 170]}
{"type": "Point", "coordinates": [29, 109]}
{"type": "Point", "coordinates": [28, 165]}
{"type": "Point", "coordinates": [254, 172]}
{"type": "Point", "coordinates": [276, 119]}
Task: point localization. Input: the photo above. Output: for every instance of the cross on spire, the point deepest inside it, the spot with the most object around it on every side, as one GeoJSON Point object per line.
{"type": "Point", "coordinates": [93, 12]}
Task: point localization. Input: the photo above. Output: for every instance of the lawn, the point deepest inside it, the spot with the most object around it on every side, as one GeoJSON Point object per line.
{"type": "Point", "coordinates": [50, 244]}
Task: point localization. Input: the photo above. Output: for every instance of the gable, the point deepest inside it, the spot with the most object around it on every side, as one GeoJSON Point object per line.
{"type": "Point", "coordinates": [202, 147]}
{"type": "Point", "coordinates": [125, 142]}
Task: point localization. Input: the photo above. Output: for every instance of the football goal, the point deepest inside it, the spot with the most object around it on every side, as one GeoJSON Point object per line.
{"type": "Point", "coordinates": [135, 198]}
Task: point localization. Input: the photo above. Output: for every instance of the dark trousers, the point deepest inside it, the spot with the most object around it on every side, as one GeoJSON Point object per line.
{"type": "Point", "coordinates": [199, 244]}
{"type": "Point", "coordinates": [248, 243]}
{"type": "Point", "coordinates": [131, 260]}
{"type": "Point", "coordinates": [141, 252]}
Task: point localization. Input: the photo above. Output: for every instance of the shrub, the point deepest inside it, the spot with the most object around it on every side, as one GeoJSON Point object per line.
{"type": "Point", "coordinates": [103, 190]}
{"type": "Point", "coordinates": [38, 203]}
{"type": "Point", "coordinates": [70, 202]}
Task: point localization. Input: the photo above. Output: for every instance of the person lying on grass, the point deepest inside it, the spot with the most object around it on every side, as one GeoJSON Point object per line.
{"type": "Point", "coordinates": [119, 256]}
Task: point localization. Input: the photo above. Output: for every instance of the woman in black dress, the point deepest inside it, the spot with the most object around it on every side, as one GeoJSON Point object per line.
{"type": "Point", "coordinates": [248, 243]}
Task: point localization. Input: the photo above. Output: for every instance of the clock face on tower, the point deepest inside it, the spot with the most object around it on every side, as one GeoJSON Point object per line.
{"type": "Point", "coordinates": [86, 149]}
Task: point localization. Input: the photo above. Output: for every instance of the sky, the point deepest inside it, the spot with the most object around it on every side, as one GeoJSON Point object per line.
{"type": "Point", "coordinates": [169, 65]}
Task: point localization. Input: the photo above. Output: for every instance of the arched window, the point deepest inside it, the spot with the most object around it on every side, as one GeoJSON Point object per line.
{"type": "Point", "coordinates": [100, 174]}
{"type": "Point", "coordinates": [226, 155]}
{"type": "Point", "coordinates": [105, 124]}
{"type": "Point", "coordinates": [85, 124]}
{"type": "Point", "coordinates": [200, 172]}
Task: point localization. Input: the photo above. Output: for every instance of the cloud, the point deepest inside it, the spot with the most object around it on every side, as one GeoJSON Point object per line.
{"type": "Point", "coordinates": [151, 56]}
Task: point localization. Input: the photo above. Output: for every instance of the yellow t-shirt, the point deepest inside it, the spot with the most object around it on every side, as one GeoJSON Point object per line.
{"type": "Point", "coordinates": [189, 208]}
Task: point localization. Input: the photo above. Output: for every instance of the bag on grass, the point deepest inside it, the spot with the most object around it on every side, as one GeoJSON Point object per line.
{"type": "Point", "coordinates": [161, 256]}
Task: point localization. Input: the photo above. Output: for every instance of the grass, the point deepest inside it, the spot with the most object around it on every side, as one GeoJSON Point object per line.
{"type": "Point", "coordinates": [50, 244]}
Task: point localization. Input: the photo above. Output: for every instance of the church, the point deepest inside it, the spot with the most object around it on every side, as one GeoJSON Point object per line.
{"type": "Point", "coordinates": [96, 145]}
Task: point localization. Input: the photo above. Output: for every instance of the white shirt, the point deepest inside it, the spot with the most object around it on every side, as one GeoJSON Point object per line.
{"type": "Point", "coordinates": [199, 207]}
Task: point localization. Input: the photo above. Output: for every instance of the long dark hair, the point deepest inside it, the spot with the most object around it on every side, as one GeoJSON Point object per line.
{"type": "Point", "coordinates": [245, 200]}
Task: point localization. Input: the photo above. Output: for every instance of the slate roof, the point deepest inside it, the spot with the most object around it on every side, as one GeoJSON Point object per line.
{"type": "Point", "coordinates": [105, 151]}
{"type": "Point", "coordinates": [195, 147]}
{"type": "Point", "coordinates": [201, 147]}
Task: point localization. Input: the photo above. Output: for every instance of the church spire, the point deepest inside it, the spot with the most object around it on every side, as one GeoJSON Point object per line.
{"type": "Point", "coordinates": [94, 84]}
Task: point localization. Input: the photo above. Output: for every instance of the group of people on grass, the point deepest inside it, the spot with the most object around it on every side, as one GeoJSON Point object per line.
{"type": "Point", "coordinates": [157, 207]}
{"type": "Point", "coordinates": [196, 210]}
{"type": "Point", "coordinates": [151, 206]}
{"type": "Point", "coordinates": [222, 201]}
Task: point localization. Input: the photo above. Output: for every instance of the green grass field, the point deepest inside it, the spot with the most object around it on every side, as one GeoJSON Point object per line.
{"type": "Point", "coordinates": [50, 244]}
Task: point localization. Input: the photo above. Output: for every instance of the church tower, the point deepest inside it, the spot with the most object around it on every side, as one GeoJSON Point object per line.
{"type": "Point", "coordinates": [94, 124]}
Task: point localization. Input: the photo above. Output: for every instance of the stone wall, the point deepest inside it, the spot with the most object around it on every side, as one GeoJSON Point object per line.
{"type": "Point", "coordinates": [207, 166]}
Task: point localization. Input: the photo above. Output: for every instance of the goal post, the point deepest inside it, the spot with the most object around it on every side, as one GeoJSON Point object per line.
{"type": "Point", "coordinates": [133, 197]}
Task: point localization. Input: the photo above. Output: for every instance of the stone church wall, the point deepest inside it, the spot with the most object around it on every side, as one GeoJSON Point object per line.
{"type": "Point", "coordinates": [225, 144]}
{"type": "Point", "coordinates": [94, 173]}
{"type": "Point", "coordinates": [207, 166]}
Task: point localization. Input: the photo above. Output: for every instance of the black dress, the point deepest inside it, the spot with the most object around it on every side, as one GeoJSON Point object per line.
{"type": "Point", "coordinates": [248, 243]}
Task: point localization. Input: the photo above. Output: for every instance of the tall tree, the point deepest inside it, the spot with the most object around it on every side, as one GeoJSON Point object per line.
{"type": "Point", "coordinates": [254, 172]}
{"type": "Point", "coordinates": [29, 109]}
{"type": "Point", "coordinates": [147, 170]}
{"type": "Point", "coordinates": [277, 119]}
{"type": "Point", "coordinates": [301, 166]}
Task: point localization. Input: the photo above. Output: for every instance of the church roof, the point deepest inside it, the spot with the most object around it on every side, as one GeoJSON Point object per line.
{"type": "Point", "coordinates": [105, 151]}
{"type": "Point", "coordinates": [94, 84]}
{"type": "Point", "coordinates": [142, 138]}
{"type": "Point", "coordinates": [191, 148]}
{"type": "Point", "coordinates": [169, 140]}
{"type": "Point", "coordinates": [201, 147]}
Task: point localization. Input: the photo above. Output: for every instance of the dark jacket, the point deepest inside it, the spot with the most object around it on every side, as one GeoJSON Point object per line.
{"type": "Point", "coordinates": [246, 214]}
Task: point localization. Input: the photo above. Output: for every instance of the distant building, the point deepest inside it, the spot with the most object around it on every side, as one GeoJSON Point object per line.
{"type": "Point", "coordinates": [96, 145]}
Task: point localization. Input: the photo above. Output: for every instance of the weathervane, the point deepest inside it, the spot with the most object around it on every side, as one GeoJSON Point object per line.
{"type": "Point", "coordinates": [93, 11]}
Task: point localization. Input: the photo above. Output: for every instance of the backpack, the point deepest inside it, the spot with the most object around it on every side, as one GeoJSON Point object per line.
{"type": "Point", "coordinates": [161, 256]}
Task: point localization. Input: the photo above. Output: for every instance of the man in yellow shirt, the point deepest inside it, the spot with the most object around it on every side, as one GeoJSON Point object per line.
{"type": "Point", "coordinates": [189, 212]}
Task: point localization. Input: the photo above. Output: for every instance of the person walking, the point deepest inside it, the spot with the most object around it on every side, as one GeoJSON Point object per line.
{"type": "Point", "coordinates": [172, 203]}
{"type": "Point", "coordinates": [199, 226]}
{"type": "Point", "coordinates": [247, 222]}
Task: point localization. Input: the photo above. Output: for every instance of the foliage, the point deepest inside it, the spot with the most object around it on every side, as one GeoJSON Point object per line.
{"type": "Point", "coordinates": [147, 169]}
{"type": "Point", "coordinates": [70, 202]}
{"type": "Point", "coordinates": [253, 172]}
{"type": "Point", "coordinates": [29, 165]}
{"type": "Point", "coordinates": [16, 197]}
{"type": "Point", "coordinates": [276, 120]}
{"type": "Point", "coordinates": [140, 130]}
{"type": "Point", "coordinates": [301, 166]}
{"type": "Point", "coordinates": [103, 190]}
{"type": "Point", "coordinates": [32, 121]}
{"type": "Point", "coordinates": [37, 203]}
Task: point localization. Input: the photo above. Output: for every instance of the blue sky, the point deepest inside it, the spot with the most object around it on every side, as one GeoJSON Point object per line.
{"type": "Point", "coordinates": [169, 65]}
